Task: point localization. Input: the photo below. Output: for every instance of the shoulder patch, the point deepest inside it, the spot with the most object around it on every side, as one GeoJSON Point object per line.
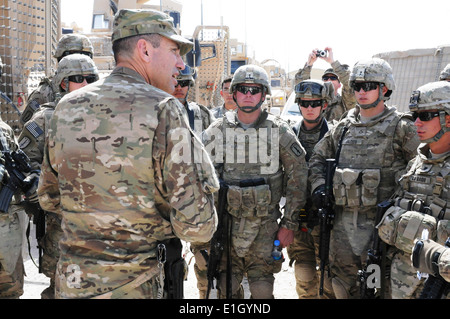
{"type": "Point", "coordinates": [296, 149]}
{"type": "Point", "coordinates": [24, 142]}
{"type": "Point", "coordinates": [34, 129]}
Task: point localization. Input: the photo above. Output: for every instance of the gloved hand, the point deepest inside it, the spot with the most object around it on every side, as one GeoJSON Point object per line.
{"type": "Point", "coordinates": [319, 198]}
{"type": "Point", "coordinates": [425, 255]}
{"type": "Point", "coordinates": [32, 181]}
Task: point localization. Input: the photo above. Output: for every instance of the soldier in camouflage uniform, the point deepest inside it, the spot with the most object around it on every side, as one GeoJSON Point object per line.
{"type": "Point", "coordinates": [199, 118]}
{"type": "Point", "coordinates": [11, 231]}
{"type": "Point", "coordinates": [124, 170]}
{"type": "Point", "coordinates": [338, 74]}
{"type": "Point", "coordinates": [47, 90]}
{"type": "Point", "coordinates": [445, 74]}
{"type": "Point", "coordinates": [228, 102]}
{"type": "Point", "coordinates": [423, 198]}
{"type": "Point", "coordinates": [377, 143]}
{"type": "Point", "coordinates": [312, 97]}
{"type": "Point", "coordinates": [257, 181]}
{"type": "Point", "coordinates": [74, 71]}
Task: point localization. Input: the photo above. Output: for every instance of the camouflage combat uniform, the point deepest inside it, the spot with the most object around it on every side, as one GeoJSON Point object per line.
{"type": "Point", "coordinates": [219, 111]}
{"type": "Point", "coordinates": [373, 153]}
{"type": "Point", "coordinates": [47, 91]}
{"type": "Point", "coordinates": [255, 210]}
{"type": "Point", "coordinates": [32, 140]}
{"type": "Point", "coordinates": [128, 176]}
{"type": "Point", "coordinates": [123, 186]}
{"type": "Point", "coordinates": [305, 248]}
{"type": "Point", "coordinates": [341, 103]}
{"type": "Point", "coordinates": [11, 234]}
{"type": "Point", "coordinates": [422, 202]}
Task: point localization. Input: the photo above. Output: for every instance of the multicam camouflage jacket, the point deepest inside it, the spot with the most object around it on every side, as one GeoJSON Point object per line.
{"type": "Point", "coordinates": [125, 171]}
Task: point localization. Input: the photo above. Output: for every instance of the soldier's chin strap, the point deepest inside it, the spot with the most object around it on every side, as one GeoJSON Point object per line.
{"type": "Point", "coordinates": [250, 109]}
{"type": "Point", "coordinates": [444, 129]}
{"type": "Point", "coordinates": [381, 97]}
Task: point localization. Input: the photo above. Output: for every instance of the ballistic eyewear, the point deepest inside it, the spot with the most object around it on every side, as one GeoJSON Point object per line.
{"type": "Point", "coordinates": [366, 86]}
{"type": "Point", "coordinates": [425, 116]}
{"type": "Point", "coordinates": [80, 78]}
{"type": "Point", "coordinates": [183, 83]}
{"type": "Point", "coordinates": [252, 89]}
{"type": "Point", "coordinates": [329, 77]}
{"type": "Point", "coordinates": [312, 103]}
{"type": "Point", "coordinates": [315, 88]}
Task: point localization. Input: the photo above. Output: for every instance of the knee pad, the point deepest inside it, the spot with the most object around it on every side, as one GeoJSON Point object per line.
{"type": "Point", "coordinates": [261, 289]}
{"type": "Point", "coordinates": [305, 272]}
{"type": "Point", "coordinates": [340, 288]}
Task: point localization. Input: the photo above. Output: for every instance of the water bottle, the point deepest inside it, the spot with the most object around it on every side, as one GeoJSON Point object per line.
{"type": "Point", "coordinates": [276, 252]}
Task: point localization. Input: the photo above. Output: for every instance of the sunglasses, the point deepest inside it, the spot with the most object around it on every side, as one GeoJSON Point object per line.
{"type": "Point", "coordinates": [183, 83]}
{"type": "Point", "coordinates": [366, 86]}
{"type": "Point", "coordinates": [252, 89]}
{"type": "Point", "coordinates": [315, 88]}
{"type": "Point", "coordinates": [425, 116]}
{"type": "Point", "coordinates": [81, 78]}
{"type": "Point", "coordinates": [313, 104]}
{"type": "Point", "coordinates": [329, 77]}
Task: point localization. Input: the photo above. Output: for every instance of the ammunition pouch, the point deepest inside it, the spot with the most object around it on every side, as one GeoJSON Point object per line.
{"type": "Point", "coordinates": [356, 187]}
{"type": "Point", "coordinates": [399, 227]}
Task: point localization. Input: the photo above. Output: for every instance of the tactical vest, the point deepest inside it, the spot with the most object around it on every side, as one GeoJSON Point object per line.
{"type": "Point", "coordinates": [309, 139]}
{"type": "Point", "coordinates": [422, 205]}
{"type": "Point", "coordinates": [254, 194]}
{"type": "Point", "coordinates": [367, 165]}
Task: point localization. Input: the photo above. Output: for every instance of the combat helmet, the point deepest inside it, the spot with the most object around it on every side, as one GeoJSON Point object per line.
{"type": "Point", "coordinates": [74, 64]}
{"type": "Point", "coordinates": [314, 89]}
{"type": "Point", "coordinates": [433, 96]}
{"type": "Point", "coordinates": [187, 74]}
{"type": "Point", "coordinates": [374, 70]}
{"type": "Point", "coordinates": [251, 74]}
{"type": "Point", "coordinates": [445, 73]}
{"type": "Point", "coordinates": [73, 43]}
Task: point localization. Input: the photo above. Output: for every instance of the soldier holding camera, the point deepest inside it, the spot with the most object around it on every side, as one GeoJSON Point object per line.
{"type": "Point", "coordinates": [339, 75]}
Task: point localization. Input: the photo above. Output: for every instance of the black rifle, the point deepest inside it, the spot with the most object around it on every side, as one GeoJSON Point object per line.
{"type": "Point", "coordinates": [375, 256]}
{"type": "Point", "coordinates": [16, 163]}
{"type": "Point", "coordinates": [218, 241]}
{"type": "Point", "coordinates": [326, 219]}
{"type": "Point", "coordinates": [435, 286]}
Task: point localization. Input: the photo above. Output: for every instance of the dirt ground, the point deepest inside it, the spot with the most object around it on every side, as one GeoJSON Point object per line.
{"type": "Point", "coordinates": [34, 282]}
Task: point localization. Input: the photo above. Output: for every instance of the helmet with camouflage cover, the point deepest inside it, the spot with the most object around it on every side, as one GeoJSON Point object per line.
{"type": "Point", "coordinates": [374, 70]}
{"type": "Point", "coordinates": [433, 96]}
{"type": "Point", "coordinates": [445, 73]}
{"type": "Point", "coordinates": [74, 64]}
{"type": "Point", "coordinates": [73, 43]}
{"type": "Point", "coordinates": [187, 75]}
{"type": "Point", "coordinates": [132, 22]}
{"type": "Point", "coordinates": [314, 89]}
{"type": "Point", "coordinates": [251, 74]}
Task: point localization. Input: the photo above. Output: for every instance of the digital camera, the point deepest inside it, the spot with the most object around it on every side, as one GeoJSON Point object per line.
{"type": "Point", "coordinates": [321, 53]}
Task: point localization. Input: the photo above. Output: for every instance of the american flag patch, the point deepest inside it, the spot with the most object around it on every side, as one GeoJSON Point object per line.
{"type": "Point", "coordinates": [34, 129]}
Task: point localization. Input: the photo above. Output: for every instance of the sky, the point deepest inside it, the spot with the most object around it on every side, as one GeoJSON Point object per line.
{"type": "Point", "coordinates": [288, 30]}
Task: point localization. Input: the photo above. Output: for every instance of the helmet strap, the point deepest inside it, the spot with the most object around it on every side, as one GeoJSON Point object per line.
{"type": "Point", "coordinates": [444, 129]}
{"type": "Point", "coordinates": [250, 109]}
{"type": "Point", "coordinates": [380, 98]}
